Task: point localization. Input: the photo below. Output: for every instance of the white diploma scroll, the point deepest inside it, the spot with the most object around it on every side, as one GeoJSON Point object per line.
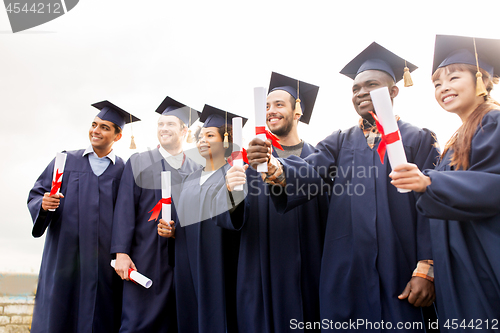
{"type": "Point", "coordinates": [260, 98]}
{"type": "Point", "coordinates": [238, 145]}
{"type": "Point", "coordinates": [166, 209]}
{"type": "Point", "coordinates": [383, 106]}
{"type": "Point", "coordinates": [136, 276]}
{"type": "Point", "coordinates": [58, 171]}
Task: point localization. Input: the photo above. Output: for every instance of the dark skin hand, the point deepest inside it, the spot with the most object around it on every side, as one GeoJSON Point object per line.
{"type": "Point", "coordinates": [419, 292]}
{"type": "Point", "coordinates": [258, 152]}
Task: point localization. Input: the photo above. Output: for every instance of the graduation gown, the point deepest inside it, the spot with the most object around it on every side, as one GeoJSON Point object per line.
{"type": "Point", "coordinates": [464, 207]}
{"type": "Point", "coordinates": [77, 289]}
{"type": "Point", "coordinates": [147, 310]}
{"type": "Point", "coordinates": [374, 235]}
{"type": "Point", "coordinates": [205, 254]}
{"type": "Point", "coordinates": [279, 261]}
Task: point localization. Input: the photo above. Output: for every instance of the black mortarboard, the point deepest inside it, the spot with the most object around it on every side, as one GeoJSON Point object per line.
{"type": "Point", "coordinates": [170, 107]}
{"type": "Point", "coordinates": [213, 117]}
{"type": "Point", "coordinates": [303, 91]}
{"type": "Point", "coordinates": [114, 114]}
{"type": "Point", "coordinates": [460, 50]}
{"type": "Point", "coordinates": [377, 57]}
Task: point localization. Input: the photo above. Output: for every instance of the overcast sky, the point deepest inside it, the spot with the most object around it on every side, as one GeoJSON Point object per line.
{"type": "Point", "coordinates": [134, 53]}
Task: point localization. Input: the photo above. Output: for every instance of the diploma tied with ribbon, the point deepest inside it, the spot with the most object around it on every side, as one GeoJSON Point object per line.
{"type": "Point", "coordinates": [238, 146]}
{"type": "Point", "coordinates": [166, 210]}
{"type": "Point", "coordinates": [136, 277]}
{"type": "Point", "coordinates": [260, 99]}
{"type": "Point", "coordinates": [164, 205]}
{"type": "Point", "coordinates": [59, 164]}
{"type": "Point", "coordinates": [388, 127]}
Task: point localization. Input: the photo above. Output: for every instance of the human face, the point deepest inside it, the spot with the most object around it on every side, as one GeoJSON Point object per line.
{"type": "Point", "coordinates": [209, 143]}
{"type": "Point", "coordinates": [456, 92]}
{"type": "Point", "coordinates": [102, 134]}
{"type": "Point", "coordinates": [279, 113]}
{"type": "Point", "coordinates": [170, 132]}
{"type": "Point", "coordinates": [365, 82]}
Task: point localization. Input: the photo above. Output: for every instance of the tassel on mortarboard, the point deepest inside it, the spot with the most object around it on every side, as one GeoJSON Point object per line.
{"type": "Point", "coordinates": [480, 88]}
{"type": "Point", "coordinates": [407, 77]}
{"type": "Point", "coordinates": [298, 108]}
{"type": "Point", "coordinates": [226, 136]}
{"type": "Point", "coordinates": [132, 141]}
{"type": "Point", "coordinates": [189, 137]}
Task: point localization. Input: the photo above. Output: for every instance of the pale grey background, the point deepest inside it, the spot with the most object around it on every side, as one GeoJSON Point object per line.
{"type": "Point", "coordinates": [134, 53]}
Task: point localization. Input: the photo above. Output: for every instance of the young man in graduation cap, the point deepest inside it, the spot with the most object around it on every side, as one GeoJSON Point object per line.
{"type": "Point", "coordinates": [376, 263]}
{"type": "Point", "coordinates": [280, 254]}
{"type": "Point", "coordinates": [76, 292]}
{"type": "Point", "coordinates": [135, 238]}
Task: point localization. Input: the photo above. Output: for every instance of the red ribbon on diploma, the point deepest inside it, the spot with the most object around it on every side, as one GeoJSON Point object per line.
{"type": "Point", "coordinates": [157, 208]}
{"type": "Point", "coordinates": [269, 135]}
{"type": "Point", "coordinates": [386, 139]}
{"type": "Point", "coordinates": [56, 184]}
{"type": "Point", "coordinates": [238, 155]}
{"type": "Point", "coordinates": [130, 270]}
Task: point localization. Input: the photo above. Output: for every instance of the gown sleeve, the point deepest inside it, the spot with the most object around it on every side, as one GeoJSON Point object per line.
{"type": "Point", "coordinates": [468, 194]}
{"type": "Point", "coordinates": [306, 177]}
{"type": "Point", "coordinates": [125, 211]}
{"type": "Point", "coordinates": [41, 219]}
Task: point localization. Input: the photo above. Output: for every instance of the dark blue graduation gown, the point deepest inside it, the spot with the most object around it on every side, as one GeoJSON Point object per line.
{"type": "Point", "coordinates": [205, 254]}
{"type": "Point", "coordinates": [77, 289]}
{"type": "Point", "coordinates": [374, 236]}
{"type": "Point", "coordinates": [464, 207]}
{"type": "Point", "coordinates": [147, 310]}
{"type": "Point", "coordinates": [279, 261]}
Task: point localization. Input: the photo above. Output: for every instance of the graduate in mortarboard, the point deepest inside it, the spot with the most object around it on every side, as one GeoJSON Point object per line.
{"type": "Point", "coordinates": [135, 240]}
{"type": "Point", "coordinates": [280, 254]}
{"type": "Point", "coordinates": [206, 240]}
{"type": "Point", "coordinates": [77, 291]}
{"type": "Point", "coordinates": [377, 260]}
{"type": "Point", "coordinates": [461, 196]}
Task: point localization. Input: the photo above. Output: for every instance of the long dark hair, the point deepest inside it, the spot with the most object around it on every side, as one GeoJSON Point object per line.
{"type": "Point", "coordinates": [461, 140]}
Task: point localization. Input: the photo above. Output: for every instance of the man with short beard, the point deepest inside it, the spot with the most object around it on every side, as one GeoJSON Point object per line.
{"type": "Point", "coordinates": [135, 237]}
{"type": "Point", "coordinates": [279, 260]}
{"type": "Point", "coordinates": [376, 264]}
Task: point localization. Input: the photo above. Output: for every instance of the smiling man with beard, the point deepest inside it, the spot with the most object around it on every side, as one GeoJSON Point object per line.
{"type": "Point", "coordinates": [376, 263]}
{"type": "Point", "coordinates": [135, 238]}
{"type": "Point", "coordinates": [280, 254]}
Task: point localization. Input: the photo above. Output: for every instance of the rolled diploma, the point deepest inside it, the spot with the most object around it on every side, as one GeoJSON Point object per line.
{"type": "Point", "coordinates": [136, 276]}
{"type": "Point", "coordinates": [259, 94]}
{"type": "Point", "coordinates": [59, 167]}
{"type": "Point", "coordinates": [237, 144]}
{"type": "Point", "coordinates": [383, 107]}
{"type": "Point", "coordinates": [166, 212]}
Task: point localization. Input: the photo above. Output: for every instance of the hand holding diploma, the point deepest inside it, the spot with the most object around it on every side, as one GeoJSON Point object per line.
{"type": "Point", "coordinates": [408, 176]}
{"type": "Point", "coordinates": [236, 177]}
{"type": "Point", "coordinates": [258, 152]}
{"type": "Point", "coordinates": [166, 229]}
{"type": "Point", "coordinates": [51, 200]}
{"type": "Point", "coordinates": [130, 274]}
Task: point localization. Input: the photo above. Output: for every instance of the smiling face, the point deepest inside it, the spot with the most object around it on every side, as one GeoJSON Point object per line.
{"type": "Point", "coordinates": [455, 91]}
{"type": "Point", "coordinates": [280, 118]}
{"type": "Point", "coordinates": [102, 134]}
{"type": "Point", "coordinates": [170, 132]}
{"type": "Point", "coordinates": [364, 83]}
{"type": "Point", "coordinates": [209, 143]}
